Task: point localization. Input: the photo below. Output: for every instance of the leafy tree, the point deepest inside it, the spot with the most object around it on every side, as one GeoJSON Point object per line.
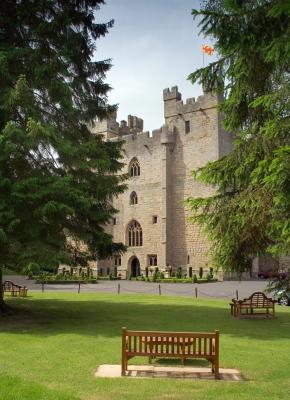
{"type": "Point", "coordinates": [249, 214]}
{"type": "Point", "coordinates": [57, 179]}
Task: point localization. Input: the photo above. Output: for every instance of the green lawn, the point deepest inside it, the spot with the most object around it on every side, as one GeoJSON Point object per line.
{"type": "Point", "coordinates": [50, 349]}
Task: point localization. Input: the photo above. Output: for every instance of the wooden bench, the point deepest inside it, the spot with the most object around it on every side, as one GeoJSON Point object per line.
{"type": "Point", "coordinates": [13, 289]}
{"type": "Point", "coordinates": [180, 345]}
{"type": "Point", "coordinates": [253, 305]}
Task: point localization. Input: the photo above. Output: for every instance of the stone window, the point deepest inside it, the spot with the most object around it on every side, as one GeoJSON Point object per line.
{"type": "Point", "coordinates": [188, 259]}
{"type": "Point", "coordinates": [187, 126]}
{"type": "Point", "coordinates": [135, 237]}
{"type": "Point", "coordinates": [154, 219]}
{"type": "Point", "coordinates": [114, 221]}
{"type": "Point", "coordinates": [117, 261]}
{"type": "Point", "coordinates": [134, 167]}
{"type": "Point", "coordinates": [133, 198]}
{"type": "Point", "coordinates": [152, 260]}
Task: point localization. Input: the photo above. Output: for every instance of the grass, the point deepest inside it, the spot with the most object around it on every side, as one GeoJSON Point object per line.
{"type": "Point", "coordinates": [50, 349]}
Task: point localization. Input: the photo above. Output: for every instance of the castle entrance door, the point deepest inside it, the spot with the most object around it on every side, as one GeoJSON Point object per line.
{"type": "Point", "coordinates": [135, 267]}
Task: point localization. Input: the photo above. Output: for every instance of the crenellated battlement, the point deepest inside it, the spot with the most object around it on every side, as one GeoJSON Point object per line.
{"type": "Point", "coordinates": [174, 105]}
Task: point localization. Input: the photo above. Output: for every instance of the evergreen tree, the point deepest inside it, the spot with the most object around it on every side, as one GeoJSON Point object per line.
{"type": "Point", "coordinates": [249, 214]}
{"type": "Point", "coordinates": [57, 179]}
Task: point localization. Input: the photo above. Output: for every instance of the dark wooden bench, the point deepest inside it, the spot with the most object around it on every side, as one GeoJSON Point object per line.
{"type": "Point", "coordinates": [257, 304]}
{"type": "Point", "coordinates": [13, 289]}
{"type": "Point", "coordinates": [180, 345]}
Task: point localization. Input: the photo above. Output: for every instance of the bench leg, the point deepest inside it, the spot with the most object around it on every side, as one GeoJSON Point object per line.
{"type": "Point", "coordinates": [124, 365]}
{"type": "Point", "coordinates": [216, 369]}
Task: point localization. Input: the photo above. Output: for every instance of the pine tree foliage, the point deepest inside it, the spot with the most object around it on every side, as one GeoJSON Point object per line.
{"type": "Point", "coordinates": [57, 179]}
{"type": "Point", "coordinates": [249, 214]}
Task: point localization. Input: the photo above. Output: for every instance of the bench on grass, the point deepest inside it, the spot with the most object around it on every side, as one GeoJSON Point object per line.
{"type": "Point", "coordinates": [257, 304]}
{"type": "Point", "coordinates": [13, 289]}
{"type": "Point", "coordinates": [180, 345]}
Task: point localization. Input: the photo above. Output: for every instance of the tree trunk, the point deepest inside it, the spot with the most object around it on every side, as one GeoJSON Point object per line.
{"type": "Point", "coordinates": [4, 309]}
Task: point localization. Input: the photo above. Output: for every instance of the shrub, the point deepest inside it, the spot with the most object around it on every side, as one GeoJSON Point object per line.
{"type": "Point", "coordinates": [190, 272]}
{"type": "Point", "coordinates": [194, 278]}
{"type": "Point", "coordinates": [31, 269]}
{"type": "Point", "coordinates": [208, 277]}
{"type": "Point", "coordinates": [200, 272]}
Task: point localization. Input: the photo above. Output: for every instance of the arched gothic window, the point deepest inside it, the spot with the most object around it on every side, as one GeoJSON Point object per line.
{"type": "Point", "coordinates": [133, 198]}
{"type": "Point", "coordinates": [134, 167]}
{"type": "Point", "coordinates": [135, 237]}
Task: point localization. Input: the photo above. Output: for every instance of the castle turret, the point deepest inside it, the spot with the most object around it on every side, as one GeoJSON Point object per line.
{"type": "Point", "coordinates": [108, 127]}
{"type": "Point", "coordinates": [135, 124]}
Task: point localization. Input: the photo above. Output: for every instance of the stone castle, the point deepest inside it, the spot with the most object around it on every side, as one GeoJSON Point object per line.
{"type": "Point", "coordinates": [153, 220]}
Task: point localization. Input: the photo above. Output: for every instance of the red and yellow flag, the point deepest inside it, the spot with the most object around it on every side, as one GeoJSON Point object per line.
{"type": "Point", "coordinates": [207, 49]}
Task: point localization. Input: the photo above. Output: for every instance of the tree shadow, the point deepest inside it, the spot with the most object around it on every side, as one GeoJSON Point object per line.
{"type": "Point", "coordinates": [46, 317]}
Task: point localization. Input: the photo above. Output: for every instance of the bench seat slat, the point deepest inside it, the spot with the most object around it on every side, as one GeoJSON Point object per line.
{"type": "Point", "coordinates": [173, 355]}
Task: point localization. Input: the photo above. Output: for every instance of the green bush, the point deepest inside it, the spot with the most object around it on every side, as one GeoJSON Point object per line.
{"type": "Point", "coordinates": [190, 272]}
{"type": "Point", "coordinates": [194, 278]}
{"type": "Point", "coordinates": [31, 269]}
{"type": "Point", "coordinates": [178, 273]}
{"type": "Point", "coordinates": [107, 278]}
{"type": "Point", "coordinates": [200, 272]}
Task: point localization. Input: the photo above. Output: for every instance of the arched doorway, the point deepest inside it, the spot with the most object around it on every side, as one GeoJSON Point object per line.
{"type": "Point", "coordinates": [135, 267]}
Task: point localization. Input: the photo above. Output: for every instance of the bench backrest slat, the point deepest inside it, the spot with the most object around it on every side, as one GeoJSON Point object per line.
{"type": "Point", "coordinates": [168, 343]}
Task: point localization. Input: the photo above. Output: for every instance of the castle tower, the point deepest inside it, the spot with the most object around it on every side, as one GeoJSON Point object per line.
{"type": "Point", "coordinates": [153, 221]}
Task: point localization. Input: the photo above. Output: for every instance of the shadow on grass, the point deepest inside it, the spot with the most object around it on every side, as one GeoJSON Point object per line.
{"type": "Point", "coordinates": [46, 317]}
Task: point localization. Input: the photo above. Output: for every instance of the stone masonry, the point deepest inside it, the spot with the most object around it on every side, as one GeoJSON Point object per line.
{"type": "Point", "coordinates": [161, 164]}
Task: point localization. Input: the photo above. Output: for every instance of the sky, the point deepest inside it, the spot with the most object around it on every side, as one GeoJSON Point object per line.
{"type": "Point", "coordinates": [154, 44]}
